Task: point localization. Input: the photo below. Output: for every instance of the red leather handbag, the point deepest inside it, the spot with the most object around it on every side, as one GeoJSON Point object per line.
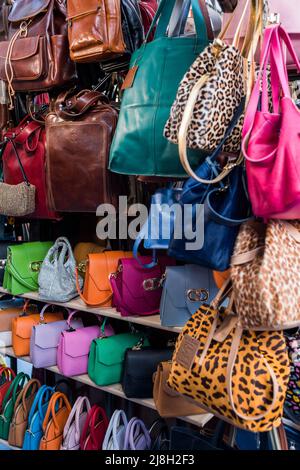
{"type": "Point", "coordinates": [6, 377]}
{"type": "Point", "coordinates": [30, 141]}
{"type": "Point", "coordinates": [148, 10]}
{"type": "Point", "coordinates": [94, 430]}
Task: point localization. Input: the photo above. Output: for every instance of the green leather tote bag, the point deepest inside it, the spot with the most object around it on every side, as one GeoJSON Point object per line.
{"type": "Point", "coordinates": [23, 265]}
{"type": "Point", "coordinates": [8, 404]}
{"type": "Point", "coordinates": [156, 69]}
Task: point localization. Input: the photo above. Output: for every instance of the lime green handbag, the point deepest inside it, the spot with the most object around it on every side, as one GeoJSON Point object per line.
{"type": "Point", "coordinates": [23, 266]}
{"type": "Point", "coordinates": [107, 354]}
{"type": "Point", "coordinates": [9, 401]}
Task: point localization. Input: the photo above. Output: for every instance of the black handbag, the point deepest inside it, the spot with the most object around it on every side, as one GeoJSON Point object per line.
{"type": "Point", "coordinates": [183, 438]}
{"type": "Point", "coordinates": [132, 25]}
{"type": "Point", "coordinates": [160, 435]}
{"type": "Point", "coordinates": [139, 367]}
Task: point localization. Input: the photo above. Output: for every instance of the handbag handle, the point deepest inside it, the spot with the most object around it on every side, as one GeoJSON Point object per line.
{"type": "Point", "coordinates": [88, 302]}
{"type": "Point", "coordinates": [77, 105]}
{"type": "Point", "coordinates": [59, 399]}
{"type": "Point", "coordinates": [32, 386]}
{"type": "Point", "coordinates": [55, 254]}
{"type": "Point", "coordinates": [15, 386]}
{"type": "Point", "coordinates": [75, 416]}
{"type": "Point", "coordinates": [43, 393]}
{"type": "Point", "coordinates": [95, 414]}
{"type": "Point", "coordinates": [8, 139]}
{"type": "Point", "coordinates": [42, 312]}
{"type": "Point", "coordinates": [71, 315]}
{"type": "Point", "coordinates": [8, 373]}
{"type": "Point", "coordinates": [114, 424]}
{"type": "Point", "coordinates": [134, 428]}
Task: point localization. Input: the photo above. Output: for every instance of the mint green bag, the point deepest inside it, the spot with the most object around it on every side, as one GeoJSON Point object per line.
{"type": "Point", "coordinates": [9, 401]}
{"type": "Point", "coordinates": [107, 356]}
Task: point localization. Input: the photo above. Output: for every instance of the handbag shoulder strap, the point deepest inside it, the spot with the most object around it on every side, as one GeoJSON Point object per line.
{"type": "Point", "coordinates": [11, 141]}
{"type": "Point", "coordinates": [78, 105]}
{"type": "Point", "coordinates": [82, 296]}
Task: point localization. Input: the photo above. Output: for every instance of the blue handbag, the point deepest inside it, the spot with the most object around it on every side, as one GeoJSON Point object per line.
{"type": "Point", "coordinates": [34, 431]}
{"type": "Point", "coordinates": [11, 303]}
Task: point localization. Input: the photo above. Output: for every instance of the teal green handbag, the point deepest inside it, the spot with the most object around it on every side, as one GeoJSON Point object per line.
{"type": "Point", "coordinates": [8, 404]}
{"type": "Point", "coordinates": [23, 266]}
{"type": "Point", "coordinates": [156, 69]}
{"type": "Point", "coordinates": [107, 354]}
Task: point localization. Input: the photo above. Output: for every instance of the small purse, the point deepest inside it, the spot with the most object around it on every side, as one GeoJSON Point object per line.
{"type": "Point", "coordinates": [9, 402]}
{"type": "Point", "coordinates": [115, 434]}
{"type": "Point", "coordinates": [74, 426]}
{"type": "Point", "coordinates": [56, 417]}
{"type": "Point", "coordinates": [137, 436]}
{"type": "Point", "coordinates": [7, 375]}
{"type": "Point", "coordinates": [9, 309]}
{"type": "Point", "coordinates": [94, 430]}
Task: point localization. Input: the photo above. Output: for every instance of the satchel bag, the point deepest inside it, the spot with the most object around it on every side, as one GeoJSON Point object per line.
{"type": "Point", "coordinates": [132, 26]}
{"type": "Point", "coordinates": [57, 277]}
{"type": "Point", "coordinates": [74, 346]}
{"type": "Point", "coordinates": [75, 425]}
{"type": "Point", "coordinates": [94, 430]}
{"type": "Point", "coordinates": [8, 310]}
{"type": "Point", "coordinates": [97, 289]}
{"type": "Point", "coordinates": [137, 290]}
{"type": "Point", "coordinates": [56, 417]}
{"type": "Point", "coordinates": [21, 412]}
{"type": "Point", "coordinates": [82, 252]}
{"type": "Point", "coordinates": [106, 358]}
{"type": "Point", "coordinates": [115, 434]}
{"type": "Point", "coordinates": [9, 402]}
{"type": "Point", "coordinates": [81, 125]}
{"type": "Point", "coordinates": [262, 287]}
{"type": "Point", "coordinates": [137, 436]}
{"type": "Point", "coordinates": [94, 29]}
{"type": "Point", "coordinates": [6, 377]}
{"type": "Point", "coordinates": [185, 289]}
{"type": "Point", "coordinates": [139, 367]}
{"type": "Point", "coordinates": [45, 339]}
{"type": "Point", "coordinates": [168, 403]}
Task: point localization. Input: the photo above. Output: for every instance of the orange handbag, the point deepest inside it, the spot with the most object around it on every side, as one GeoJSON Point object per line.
{"type": "Point", "coordinates": [55, 419]}
{"type": "Point", "coordinates": [97, 290]}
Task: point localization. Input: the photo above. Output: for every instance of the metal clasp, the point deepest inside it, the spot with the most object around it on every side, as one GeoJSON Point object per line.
{"type": "Point", "coordinates": [152, 284]}
{"type": "Point", "coordinates": [197, 295]}
{"type": "Point", "coordinates": [273, 18]}
{"type": "Point", "coordinates": [35, 266]}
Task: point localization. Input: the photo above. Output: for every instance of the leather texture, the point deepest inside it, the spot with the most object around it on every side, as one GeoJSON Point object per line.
{"type": "Point", "coordinates": [54, 422]}
{"type": "Point", "coordinates": [139, 367]}
{"type": "Point", "coordinates": [94, 28]}
{"type": "Point", "coordinates": [74, 427]}
{"type": "Point", "coordinates": [94, 430]}
{"type": "Point", "coordinates": [137, 436]}
{"type": "Point", "coordinates": [132, 26]}
{"type": "Point", "coordinates": [9, 310]}
{"type": "Point", "coordinates": [5, 8]}
{"type": "Point", "coordinates": [6, 377]}
{"type": "Point", "coordinates": [9, 402]}
{"type": "Point", "coordinates": [115, 434]}
{"type": "Point", "coordinates": [84, 249]}
{"type": "Point", "coordinates": [3, 258]}
{"type": "Point", "coordinates": [34, 431]}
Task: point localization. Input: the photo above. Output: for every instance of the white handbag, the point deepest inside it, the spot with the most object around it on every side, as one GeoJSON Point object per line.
{"type": "Point", "coordinates": [115, 435]}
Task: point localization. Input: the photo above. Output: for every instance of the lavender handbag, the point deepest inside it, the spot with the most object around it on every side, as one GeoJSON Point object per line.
{"type": "Point", "coordinates": [115, 435]}
{"type": "Point", "coordinates": [74, 347]}
{"type": "Point", "coordinates": [45, 338]}
{"type": "Point", "coordinates": [137, 436]}
{"type": "Point", "coordinates": [75, 423]}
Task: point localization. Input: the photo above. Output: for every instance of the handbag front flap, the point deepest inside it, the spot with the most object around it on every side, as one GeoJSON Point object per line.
{"type": "Point", "coordinates": [26, 259]}
{"type": "Point", "coordinates": [47, 336]}
{"type": "Point", "coordinates": [23, 10]}
{"type": "Point", "coordinates": [77, 343]}
{"type": "Point", "coordinates": [141, 364]}
{"type": "Point", "coordinates": [111, 351]}
{"type": "Point", "coordinates": [6, 317]}
{"type": "Point", "coordinates": [101, 265]}
{"type": "Point", "coordinates": [23, 325]}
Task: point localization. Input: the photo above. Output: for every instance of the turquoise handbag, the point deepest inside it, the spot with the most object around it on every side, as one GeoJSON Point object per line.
{"type": "Point", "coordinates": [139, 147]}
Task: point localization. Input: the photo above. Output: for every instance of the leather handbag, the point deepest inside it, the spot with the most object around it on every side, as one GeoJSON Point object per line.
{"type": "Point", "coordinates": [7, 375]}
{"type": "Point", "coordinates": [54, 422]}
{"type": "Point", "coordinates": [23, 265]}
{"type": "Point", "coordinates": [21, 412]}
{"type": "Point", "coordinates": [132, 26]}
{"type": "Point", "coordinates": [97, 290]}
{"type": "Point", "coordinates": [106, 358]}
{"type": "Point", "coordinates": [45, 338]}
{"type": "Point", "coordinates": [262, 287]}
{"type": "Point", "coordinates": [148, 103]}
{"type": "Point", "coordinates": [82, 252]}
{"type": "Point", "coordinates": [148, 10]}
{"type": "Point", "coordinates": [8, 310]}
{"type": "Point", "coordinates": [22, 329]}
{"type": "Point", "coordinates": [34, 431]}
{"type": "Point", "coordinates": [168, 403]}
{"type": "Point", "coordinates": [137, 290]}
{"type": "Point", "coordinates": [185, 289]}
{"type": "Point", "coordinates": [57, 276]}
{"type": "Point", "coordinates": [115, 434]}
{"type": "Point", "coordinates": [94, 430]}
{"type": "Point", "coordinates": [26, 143]}
{"type": "Point", "coordinates": [268, 136]}
{"type": "Point", "coordinates": [74, 427]}
{"type": "Point", "coordinates": [81, 125]}
{"type": "Point", "coordinates": [137, 436]}
{"type": "Point", "coordinates": [94, 28]}
{"type": "Point", "coordinates": [9, 402]}
{"type": "Point", "coordinates": [3, 257]}
{"type": "Point", "coordinates": [139, 367]}
{"type": "Point", "coordinates": [182, 439]}
{"type": "Point", "coordinates": [74, 346]}
{"type": "Point", "coordinates": [231, 389]}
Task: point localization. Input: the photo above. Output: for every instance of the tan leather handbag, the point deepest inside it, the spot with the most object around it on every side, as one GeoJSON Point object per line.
{"type": "Point", "coordinates": [21, 412]}
{"type": "Point", "coordinates": [56, 417]}
{"type": "Point", "coordinates": [94, 28]}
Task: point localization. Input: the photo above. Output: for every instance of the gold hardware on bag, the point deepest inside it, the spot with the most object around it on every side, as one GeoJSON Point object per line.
{"type": "Point", "coordinates": [35, 266]}
{"type": "Point", "coordinates": [197, 295]}
{"type": "Point", "coordinates": [82, 267]}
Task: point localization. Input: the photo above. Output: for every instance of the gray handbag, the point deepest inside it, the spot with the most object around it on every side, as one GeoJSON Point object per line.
{"type": "Point", "coordinates": [185, 289]}
{"type": "Point", "coordinates": [57, 279]}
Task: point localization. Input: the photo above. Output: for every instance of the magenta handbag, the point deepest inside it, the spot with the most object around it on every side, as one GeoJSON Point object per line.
{"type": "Point", "coordinates": [271, 139]}
{"type": "Point", "coordinates": [137, 290]}
{"type": "Point", "coordinates": [74, 347]}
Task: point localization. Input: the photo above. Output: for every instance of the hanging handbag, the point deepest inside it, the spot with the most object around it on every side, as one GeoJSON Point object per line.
{"type": "Point", "coordinates": [185, 289]}
{"type": "Point", "coordinates": [9, 402]}
{"type": "Point", "coordinates": [94, 430]}
{"type": "Point", "coordinates": [137, 290]}
{"type": "Point", "coordinates": [8, 310]}
{"type": "Point", "coordinates": [139, 367]}
{"type": "Point", "coordinates": [146, 104]}
{"type": "Point", "coordinates": [45, 338]}
{"type": "Point", "coordinates": [81, 125]}
{"type": "Point", "coordinates": [106, 358]}
{"type": "Point", "coordinates": [262, 288]}
{"type": "Point", "coordinates": [269, 137]}
{"type": "Point", "coordinates": [115, 434]}
{"type": "Point", "coordinates": [132, 26]}
{"type": "Point", "coordinates": [5, 8]}
{"type": "Point", "coordinates": [74, 346]}
{"type": "Point", "coordinates": [21, 412]}
{"type": "Point", "coordinates": [56, 417]}
{"type": "Point", "coordinates": [7, 375]}
{"type": "Point", "coordinates": [137, 436]}
{"type": "Point", "coordinates": [148, 10]}
{"type": "Point", "coordinates": [74, 427]}
{"type": "Point", "coordinates": [57, 277]}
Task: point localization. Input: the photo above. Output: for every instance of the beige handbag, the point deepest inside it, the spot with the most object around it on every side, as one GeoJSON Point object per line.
{"type": "Point", "coordinates": [265, 272]}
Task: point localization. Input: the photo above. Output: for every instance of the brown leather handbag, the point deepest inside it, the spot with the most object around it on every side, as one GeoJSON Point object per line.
{"type": "Point", "coordinates": [56, 417]}
{"type": "Point", "coordinates": [95, 31]}
{"type": "Point", "coordinates": [81, 253]}
{"type": "Point", "coordinates": [79, 135]}
{"type": "Point", "coordinates": [5, 7]}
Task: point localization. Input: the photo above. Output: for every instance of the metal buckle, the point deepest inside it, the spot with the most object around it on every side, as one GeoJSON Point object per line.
{"type": "Point", "coordinates": [197, 295]}
{"type": "Point", "coordinates": [35, 266]}
{"type": "Point", "coordinates": [152, 284]}
{"type": "Point", "coordinates": [82, 267]}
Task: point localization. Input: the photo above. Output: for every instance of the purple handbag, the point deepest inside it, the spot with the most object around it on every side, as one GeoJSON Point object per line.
{"type": "Point", "coordinates": [137, 436]}
{"type": "Point", "coordinates": [45, 338]}
{"type": "Point", "coordinates": [74, 347]}
{"type": "Point", "coordinates": [137, 290]}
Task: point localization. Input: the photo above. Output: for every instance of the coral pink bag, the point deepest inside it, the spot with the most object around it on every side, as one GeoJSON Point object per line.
{"type": "Point", "coordinates": [271, 140]}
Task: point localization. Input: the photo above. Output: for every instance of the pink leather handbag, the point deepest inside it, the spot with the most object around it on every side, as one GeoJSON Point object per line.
{"type": "Point", "coordinates": [271, 140]}
{"type": "Point", "coordinates": [74, 347]}
{"type": "Point", "coordinates": [75, 424]}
